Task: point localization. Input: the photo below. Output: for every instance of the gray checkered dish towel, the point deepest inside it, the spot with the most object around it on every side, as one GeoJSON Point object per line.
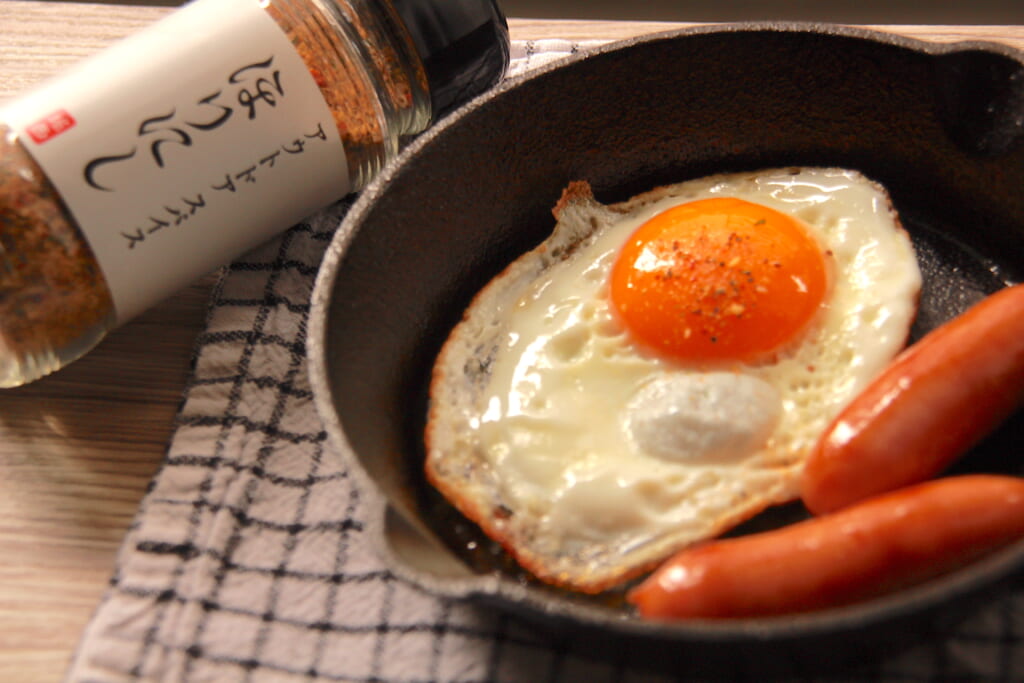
{"type": "Point", "coordinates": [247, 560]}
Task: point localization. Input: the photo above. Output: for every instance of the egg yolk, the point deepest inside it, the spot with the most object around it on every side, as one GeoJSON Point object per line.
{"type": "Point", "coordinates": [717, 280]}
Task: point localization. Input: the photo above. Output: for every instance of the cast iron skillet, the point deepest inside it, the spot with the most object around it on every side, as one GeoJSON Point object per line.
{"type": "Point", "coordinates": [939, 125]}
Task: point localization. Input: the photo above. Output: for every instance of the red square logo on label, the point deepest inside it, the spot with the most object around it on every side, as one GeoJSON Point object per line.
{"type": "Point", "coordinates": [50, 126]}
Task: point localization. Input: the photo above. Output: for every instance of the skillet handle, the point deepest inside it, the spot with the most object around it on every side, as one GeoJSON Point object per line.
{"type": "Point", "coordinates": [981, 94]}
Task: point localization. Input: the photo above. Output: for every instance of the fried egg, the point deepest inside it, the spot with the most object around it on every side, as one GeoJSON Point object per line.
{"type": "Point", "coordinates": [656, 371]}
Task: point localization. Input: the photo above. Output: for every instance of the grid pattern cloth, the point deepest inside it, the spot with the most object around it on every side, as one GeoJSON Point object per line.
{"type": "Point", "coordinates": [248, 562]}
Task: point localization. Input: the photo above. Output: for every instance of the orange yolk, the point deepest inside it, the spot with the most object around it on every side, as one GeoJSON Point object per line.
{"type": "Point", "coordinates": [718, 280]}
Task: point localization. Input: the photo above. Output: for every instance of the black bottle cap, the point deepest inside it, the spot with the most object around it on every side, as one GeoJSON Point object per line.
{"type": "Point", "coordinates": [464, 46]}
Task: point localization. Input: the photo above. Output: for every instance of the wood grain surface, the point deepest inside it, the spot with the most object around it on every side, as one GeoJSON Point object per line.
{"type": "Point", "coordinates": [78, 448]}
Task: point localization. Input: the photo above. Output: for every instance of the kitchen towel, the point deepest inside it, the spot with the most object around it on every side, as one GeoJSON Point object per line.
{"type": "Point", "coordinates": [247, 560]}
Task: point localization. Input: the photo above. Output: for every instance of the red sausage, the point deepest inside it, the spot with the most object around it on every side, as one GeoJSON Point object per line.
{"type": "Point", "coordinates": [936, 399]}
{"type": "Point", "coordinates": [877, 546]}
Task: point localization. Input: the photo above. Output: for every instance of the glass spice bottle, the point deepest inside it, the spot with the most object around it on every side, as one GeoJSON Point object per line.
{"type": "Point", "coordinates": [177, 149]}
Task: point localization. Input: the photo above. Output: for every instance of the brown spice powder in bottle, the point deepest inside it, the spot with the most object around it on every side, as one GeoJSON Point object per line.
{"type": "Point", "coordinates": [385, 70]}
{"type": "Point", "coordinates": [54, 301]}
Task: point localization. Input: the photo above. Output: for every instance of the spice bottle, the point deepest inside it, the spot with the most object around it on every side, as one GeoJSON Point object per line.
{"type": "Point", "coordinates": [175, 150]}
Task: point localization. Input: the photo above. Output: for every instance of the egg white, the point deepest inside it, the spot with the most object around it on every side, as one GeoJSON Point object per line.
{"type": "Point", "coordinates": [605, 456]}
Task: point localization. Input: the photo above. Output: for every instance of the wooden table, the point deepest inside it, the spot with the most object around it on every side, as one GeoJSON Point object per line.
{"type": "Point", "coordinates": [78, 448]}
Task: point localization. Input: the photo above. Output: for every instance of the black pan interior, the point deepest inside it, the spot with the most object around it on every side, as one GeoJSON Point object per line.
{"type": "Point", "coordinates": [938, 126]}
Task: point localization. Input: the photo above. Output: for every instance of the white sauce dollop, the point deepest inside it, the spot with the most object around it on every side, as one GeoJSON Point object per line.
{"type": "Point", "coordinates": [715, 417]}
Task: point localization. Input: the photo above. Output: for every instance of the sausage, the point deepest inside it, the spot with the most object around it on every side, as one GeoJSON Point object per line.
{"type": "Point", "coordinates": [877, 546]}
{"type": "Point", "coordinates": [935, 400]}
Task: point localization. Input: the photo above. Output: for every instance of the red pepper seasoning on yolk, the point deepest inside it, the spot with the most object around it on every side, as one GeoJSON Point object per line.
{"type": "Point", "coordinates": [718, 280]}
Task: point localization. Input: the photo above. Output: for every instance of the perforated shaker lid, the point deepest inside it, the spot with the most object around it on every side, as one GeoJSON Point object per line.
{"type": "Point", "coordinates": [464, 46]}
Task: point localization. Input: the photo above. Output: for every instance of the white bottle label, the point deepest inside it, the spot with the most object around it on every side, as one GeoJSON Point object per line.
{"type": "Point", "coordinates": [184, 145]}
